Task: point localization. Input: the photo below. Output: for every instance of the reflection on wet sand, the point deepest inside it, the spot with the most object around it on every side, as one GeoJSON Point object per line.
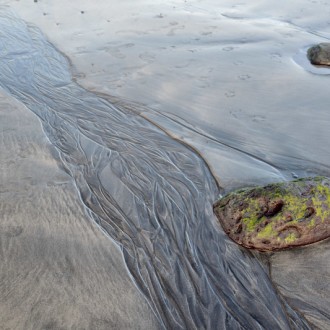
{"type": "Point", "coordinates": [150, 193]}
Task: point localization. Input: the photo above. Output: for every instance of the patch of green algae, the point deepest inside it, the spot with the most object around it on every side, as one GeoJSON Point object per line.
{"type": "Point", "coordinates": [290, 238]}
{"type": "Point", "coordinates": [321, 206]}
{"type": "Point", "coordinates": [294, 206]}
{"type": "Point", "coordinates": [267, 232]}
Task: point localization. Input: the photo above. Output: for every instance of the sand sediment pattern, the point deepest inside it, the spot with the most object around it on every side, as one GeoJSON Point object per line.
{"type": "Point", "coordinates": [150, 193]}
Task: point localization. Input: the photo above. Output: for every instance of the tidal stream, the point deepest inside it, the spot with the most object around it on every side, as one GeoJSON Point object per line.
{"type": "Point", "coordinates": [150, 193]}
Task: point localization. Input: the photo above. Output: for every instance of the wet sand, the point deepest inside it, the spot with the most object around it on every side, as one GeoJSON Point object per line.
{"type": "Point", "coordinates": [217, 69]}
{"type": "Point", "coordinates": [210, 87]}
{"type": "Point", "coordinates": [304, 281]}
{"type": "Point", "coordinates": [57, 270]}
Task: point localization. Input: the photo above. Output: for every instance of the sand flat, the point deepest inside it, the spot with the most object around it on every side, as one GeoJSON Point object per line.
{"type": "Point", "coordinates": [57, 270]}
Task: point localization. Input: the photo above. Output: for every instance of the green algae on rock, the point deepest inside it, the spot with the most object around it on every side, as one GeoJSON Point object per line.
{"type": "Point", "coordinates": [319, 54]}
{"type": "Point", "coordinates": [279, 215]}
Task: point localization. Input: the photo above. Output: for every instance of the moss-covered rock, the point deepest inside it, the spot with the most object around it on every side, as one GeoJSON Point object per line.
{"type": "Point", "coordinates": [319, 54]}
{"type": "Point", "coordinates": [277, 216]}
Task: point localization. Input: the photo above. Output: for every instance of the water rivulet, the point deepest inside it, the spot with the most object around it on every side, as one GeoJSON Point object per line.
{"type": "Point", "coordinates": [152, 194]}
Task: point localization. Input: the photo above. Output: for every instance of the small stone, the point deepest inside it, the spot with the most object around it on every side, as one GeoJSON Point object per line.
{"type": "Point", "coordinates": [274, 207]}
{"type": "Point", "coordinates": [309, 212]}
{"type": "Point", "coordinates": [277, 216]}
{"type": "Point", "coordinates": [319, 54]}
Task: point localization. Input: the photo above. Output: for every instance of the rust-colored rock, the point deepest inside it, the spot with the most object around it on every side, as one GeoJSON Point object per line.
{"type": "Point", "coordinates": [277, 216]}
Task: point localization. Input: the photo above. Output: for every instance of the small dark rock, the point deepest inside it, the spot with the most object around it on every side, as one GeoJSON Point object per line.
{"type": "Point", "coordinates": [274, 207]}
{"type": "Point", "coordinates": [319, 54]}
{"type": "Point", "coordinates": [309, 212]}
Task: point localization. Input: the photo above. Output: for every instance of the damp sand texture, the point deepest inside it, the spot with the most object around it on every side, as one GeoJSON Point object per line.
{"type": "Point", "coordinates": [150, 193]}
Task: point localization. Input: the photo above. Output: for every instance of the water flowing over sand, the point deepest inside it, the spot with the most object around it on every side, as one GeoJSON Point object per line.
{"type": "Point", "coordinates": [150, 193]}
{"type": "Point", "coordinates": [201, 93]}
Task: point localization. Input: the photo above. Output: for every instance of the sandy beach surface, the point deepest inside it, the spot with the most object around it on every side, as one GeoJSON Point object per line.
{"type": "Point", "coordinates": [220, 77]}
{"type": "Point", "coordinates": [58, 270]}
{"type": "Point", "coordinates": [228, 79]}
